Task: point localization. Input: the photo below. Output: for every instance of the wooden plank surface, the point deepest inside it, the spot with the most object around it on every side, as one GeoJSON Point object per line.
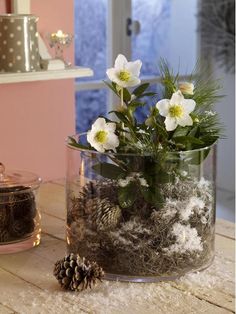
{"type": "Point", "coordinates": [28, 286]}
{"type": "Point", "coordinates": [225, 228]}
{"type": "Point", "coordinates": [6, 309]}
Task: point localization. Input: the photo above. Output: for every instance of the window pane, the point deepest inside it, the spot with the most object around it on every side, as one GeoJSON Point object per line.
{"type": "Point", "coordinates": [168, 30]}
{"type": "Point", "coordinates": [90, 36]}
{"type": "Point", "coordinates": [90, 51]}
{"type": "Point", "coordinates": [89, 105]}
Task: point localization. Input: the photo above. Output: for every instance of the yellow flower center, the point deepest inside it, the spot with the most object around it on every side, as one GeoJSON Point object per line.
{"type": "Point", "coordinates": [124, 76]}
{"type": "Point", "coordinates": [101, 137]}
{"type": "Point", "coordinates": [176, 111]}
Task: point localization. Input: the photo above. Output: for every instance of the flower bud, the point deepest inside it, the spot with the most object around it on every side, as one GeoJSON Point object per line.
{"type": "Point", "coordinates": [149, 122]}
{"type": "Point", "coordinates": [186, 88]}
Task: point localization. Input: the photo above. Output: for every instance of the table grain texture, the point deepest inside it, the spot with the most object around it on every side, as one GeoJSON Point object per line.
{"type": "Point", "coordinates": [27, 284]}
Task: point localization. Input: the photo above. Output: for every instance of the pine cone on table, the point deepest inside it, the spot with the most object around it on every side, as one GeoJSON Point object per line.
{"type": "Point", "coordinates": [76, 274]}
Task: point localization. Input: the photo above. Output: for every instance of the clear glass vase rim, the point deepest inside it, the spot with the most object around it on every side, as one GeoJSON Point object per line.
{"type": "Point", "coordinates": [130, 154]}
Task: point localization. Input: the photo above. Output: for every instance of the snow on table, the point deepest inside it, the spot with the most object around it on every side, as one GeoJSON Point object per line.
{"type": "Point", "coordinates": [28, 286]}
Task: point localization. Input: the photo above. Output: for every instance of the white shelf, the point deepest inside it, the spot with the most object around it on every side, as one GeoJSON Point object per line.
{"type": "Point", "coordinates": [72, 72]}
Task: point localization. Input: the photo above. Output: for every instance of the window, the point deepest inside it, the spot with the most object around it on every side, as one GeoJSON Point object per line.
{"type": "Point", "coordinates": [101, 33]}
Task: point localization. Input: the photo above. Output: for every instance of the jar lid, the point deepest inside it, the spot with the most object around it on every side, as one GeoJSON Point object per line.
{"type": "Point", "coordinates": [14, 178]}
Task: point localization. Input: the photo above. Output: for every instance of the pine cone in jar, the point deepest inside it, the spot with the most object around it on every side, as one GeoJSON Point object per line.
{"type": "Point", "coordinates": [22, 204]}
{"type": "Point", "coordinates": [4, 235]}
{"type": "Point", "coordinates": [20, 227]}
{"type": "Point", "coordinates": [4, 216]}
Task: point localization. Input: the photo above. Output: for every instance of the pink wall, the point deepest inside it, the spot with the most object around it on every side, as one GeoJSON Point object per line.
{"type": "Point", "coordinates": [36, 117]}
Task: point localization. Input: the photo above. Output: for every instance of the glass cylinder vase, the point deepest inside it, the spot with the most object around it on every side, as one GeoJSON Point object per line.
{"type": "Point", "coordinates": [20, 227]}
{"type": "Point", "coordinates": [143, 218]}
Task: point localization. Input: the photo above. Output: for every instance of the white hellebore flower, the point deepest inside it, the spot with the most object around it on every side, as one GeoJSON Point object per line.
{"type": "Point", "coordinates": [186, 88]}
{"type": "Point", "coordinates": [124, 73]}
{"type": "Point", "coordinates": [176, 110]}
{"type": "Point", "coordinates": [102, 136]}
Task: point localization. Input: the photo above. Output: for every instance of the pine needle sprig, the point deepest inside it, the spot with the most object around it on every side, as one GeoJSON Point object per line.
{"type": "Point", "coordinates": [168, 79]}
{"type": "Point", "coordinates": [210, 127]}
{"type": "Point", "coordinates": [206, 88]}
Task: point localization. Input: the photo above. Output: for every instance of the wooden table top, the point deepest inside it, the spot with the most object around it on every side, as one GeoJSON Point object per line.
{"type": "Point", "coordinates": [27, 284]}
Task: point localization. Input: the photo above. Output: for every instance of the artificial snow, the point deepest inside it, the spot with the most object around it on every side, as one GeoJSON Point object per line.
{"type": "Point", "coordinates": [194, 203]}
{"type": "Point", "coordinates": [203, 183]}
{"type": "Point", "coordinates": [119, 297]}
{"type": "Point", "coordinates": [170, 210]}
{"type": "Point", "coordinates": [133, 228]}
{"type": "Point", "coordinates": [187, 239]}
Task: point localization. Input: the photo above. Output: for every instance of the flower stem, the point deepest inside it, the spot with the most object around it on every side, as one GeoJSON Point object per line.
{"type": "Point", "coordinates": [122, 97]}
{"type": "Point", "coordinates": [122, 105]}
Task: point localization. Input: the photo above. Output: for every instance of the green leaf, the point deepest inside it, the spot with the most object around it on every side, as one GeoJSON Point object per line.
{"type": "Point", "coordinates": [127, 195]}
{"type": "Point", "coordinates": [122, 118]}
{"type": "Point", "coordinates": [209, 139]}
{"type": "Point", "coordinates": [153, 196]}
{"type": "Point", "coordinates": [180, 132]}
{"type": "Point", "coordinates": [188, 140]}
{"type": "Point", "coordinates": [141, 89]}
{"type": "Point", "coordinates": [197, 157]}
{"type": "Point", "coordinates": [163, 177]}
{"type": "Point", "coordinates": [134, 105]}
{"type": "Point", "coordinates": [126, 95]}
{"type": "Point", "coordinates": [77, 145]}
{"type": "Point", "coordinates": [109, 171]}
{"type": "Point", "coordinates": [194, 131]}
{"type": "Point", "coordinates": [161, 130]}
{"type": "Point", "coordinates": [151, 168]}
{"type": "Point", "coordinates": [158, 175]}
{"type": "Point", "coordinates": [112, 87]}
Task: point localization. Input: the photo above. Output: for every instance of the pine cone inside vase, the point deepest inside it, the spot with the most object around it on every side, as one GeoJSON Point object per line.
{"type": "Point", "coordinates": [105, 215]}
{"type": "Point", "coordinates": [76, 230]}
{"type": "Point", "coordinates": [76, 274]}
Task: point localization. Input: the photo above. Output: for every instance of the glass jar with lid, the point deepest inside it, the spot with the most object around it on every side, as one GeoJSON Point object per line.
{"type": "Point", "coordinates": [19, 214]}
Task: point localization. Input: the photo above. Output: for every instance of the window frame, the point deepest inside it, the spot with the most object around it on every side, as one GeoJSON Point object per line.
{"type": "Point", "coordinates": [117, 42]}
